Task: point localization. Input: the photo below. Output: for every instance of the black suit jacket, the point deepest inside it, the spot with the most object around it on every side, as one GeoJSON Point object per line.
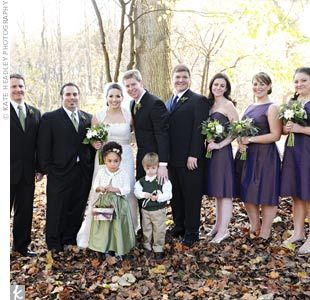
{"type": "Point", "coordinates": [59, 144]}
{"type": "Point", "coordinates": [151, 122]}
{"type": "Point", "coordinates": [185, 128]}
{"type": "Point", "coordinates": [23, 145]}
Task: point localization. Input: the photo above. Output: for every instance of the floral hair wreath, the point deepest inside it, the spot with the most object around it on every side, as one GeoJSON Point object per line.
{"type": "Point", "coordinates": [115, 150]}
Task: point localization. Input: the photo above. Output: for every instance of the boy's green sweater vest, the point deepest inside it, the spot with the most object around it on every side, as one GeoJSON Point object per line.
{"type": "Point", "coordinates": [150, 187]}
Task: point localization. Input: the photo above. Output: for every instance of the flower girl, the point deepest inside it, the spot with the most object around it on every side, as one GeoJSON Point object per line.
{"type": "Point", "coordinates": [111, 226]}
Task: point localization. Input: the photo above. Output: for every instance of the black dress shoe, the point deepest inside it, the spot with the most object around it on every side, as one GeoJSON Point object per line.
{"type": "Point", "coordinates": [189, 242]}
{"type": "Point", "coordinates": [177, 232]}
{"type": "Point", "coordinates": [159, 255]}
{"type": "Point", "coordinates": [27, 253]}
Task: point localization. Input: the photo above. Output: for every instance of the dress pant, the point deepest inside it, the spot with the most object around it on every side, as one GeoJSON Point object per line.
{"type": "Point", "coordinates": [21, 201]}
{"type": "Point", "coordinates": [186, 200]}
{"type": "Point", "coordinates": [66, 201]}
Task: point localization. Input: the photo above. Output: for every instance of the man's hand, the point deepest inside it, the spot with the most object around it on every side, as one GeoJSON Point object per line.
{"type": "Point", "coordinates": [191, 163]}
{"type": "Point", "coordinates": [162, 174]}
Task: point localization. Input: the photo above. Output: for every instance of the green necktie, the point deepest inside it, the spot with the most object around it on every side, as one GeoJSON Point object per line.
{"type": "Point", "coordinates": [74, 121]}
{"type": "Point", "coordinates": [21, 116]}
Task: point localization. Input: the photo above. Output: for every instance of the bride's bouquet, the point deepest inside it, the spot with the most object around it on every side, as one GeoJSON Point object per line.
{"type": "Point", "coordinates": [98, 132]}
{"type": "Point", "coordinates": [238, 129]}
{"type": "Point", "coordinates": [293, 111]}
{"type": "Point", "coordinates": [212, 129]}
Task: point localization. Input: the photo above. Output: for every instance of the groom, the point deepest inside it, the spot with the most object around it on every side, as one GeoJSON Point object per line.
{"type": "Point", "coordinates": [186, 165]}
{"type": "Point", "coordinates": [150, 120]}
{"type": "Point", "coordinates": [68, 164]}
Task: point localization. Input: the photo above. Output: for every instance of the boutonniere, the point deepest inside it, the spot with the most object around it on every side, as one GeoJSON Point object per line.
{"type": "Point", "coordinates": [83, 117]}
{"type": "Point", "coordinates": [183, 99]}
{"type": "Point", "coordinates": [138, 106]}
{"type": "Point", "coordinates": [31, 112]}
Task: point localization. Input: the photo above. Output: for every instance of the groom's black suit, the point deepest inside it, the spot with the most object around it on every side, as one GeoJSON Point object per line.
{"type": "Point", "coordinates": [69, 180]}
{"type": "Point", "coordinates": [151, 121]}
{"type": "Point", "coordinates": [186, 141]}
{"type": "Point", "coordinates": [22, 174]}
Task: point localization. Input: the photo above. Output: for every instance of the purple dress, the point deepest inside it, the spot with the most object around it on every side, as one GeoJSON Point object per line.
{"type": "Point", "coordinates": [296, 165]}
{"type": "Point", "coordinates": [220, 180]}
{"type": "Point", "coordinates": [260, 176]}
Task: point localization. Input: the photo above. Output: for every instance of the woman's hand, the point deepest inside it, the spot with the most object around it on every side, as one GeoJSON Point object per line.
{"type": "Point", "coordinates": [97, 145]}
{"type": "Point", "coordinates": [213, 146]}
{"type": "Point", "coordinates": [244, 140]}
{"type": "Point", "coordinates": [242, 148]}
{"type": "Point", "coordinates": [293, 127]}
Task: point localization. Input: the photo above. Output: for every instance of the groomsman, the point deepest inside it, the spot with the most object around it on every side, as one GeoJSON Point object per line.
{"type": "Point", "coordinates": [150, 120]}
{"type": "Point", "coordinates": [187, 110]}
{"type": "Point", "coordinates": [24, 124]}
{"type": "Point", "coordinates": [68, 164]}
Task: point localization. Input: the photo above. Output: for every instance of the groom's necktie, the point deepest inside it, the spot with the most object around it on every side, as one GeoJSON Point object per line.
{"type": "Point", "coordinates": [21, 116]}
{"type": "Point", "coordinates": [174, 103]}
{"type": "Point", "coordinates": [74, 121]}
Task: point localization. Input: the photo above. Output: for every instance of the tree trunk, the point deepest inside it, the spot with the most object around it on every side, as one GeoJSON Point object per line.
{"type": "Point", "coordinates": [153, 58]}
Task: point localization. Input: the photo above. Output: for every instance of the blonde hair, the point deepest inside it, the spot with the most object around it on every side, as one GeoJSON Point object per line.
{"type": "Point", "coordinates": [132, 74]}
{"type": "Point", "coordinates": [150, 159]}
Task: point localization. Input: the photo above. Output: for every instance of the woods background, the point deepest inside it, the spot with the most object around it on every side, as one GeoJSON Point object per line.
{"type": "Point", "coordinates": [237, 37]}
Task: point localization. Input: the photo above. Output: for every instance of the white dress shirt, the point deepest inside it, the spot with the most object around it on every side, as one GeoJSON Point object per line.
{"type": "Point", "coordinates": [163, 196]}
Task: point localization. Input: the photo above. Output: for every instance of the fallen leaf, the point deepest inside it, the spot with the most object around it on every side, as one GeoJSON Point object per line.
{"type": "Point", "coordinates": [49, 261]}
{"type": "Point", "coordinates": [159, 269]}
{"type": "Point", "coordinates": [274, 275]}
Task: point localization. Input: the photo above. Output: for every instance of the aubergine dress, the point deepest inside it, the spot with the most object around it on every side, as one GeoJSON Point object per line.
{"type": "Point", "coordinates": [261, 171]}
{"type": "Point", "coordinates": [220, 175]}
{"type": "Point", "coordinates": [296, 165]}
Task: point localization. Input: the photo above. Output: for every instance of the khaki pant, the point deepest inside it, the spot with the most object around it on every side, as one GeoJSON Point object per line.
{"type": "Point", "coordinates": [154, 226]}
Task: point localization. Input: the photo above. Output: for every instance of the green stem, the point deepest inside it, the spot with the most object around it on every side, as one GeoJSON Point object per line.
{"type": "Point", "coordinates": [291, 140]}
{"type": "Point", "coordinates": [209, 154]}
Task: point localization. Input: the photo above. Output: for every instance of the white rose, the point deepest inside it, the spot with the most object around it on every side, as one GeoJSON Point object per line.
{"type": "Point", "coordinates": [89, 134]}
{"type": "Point", "coordinates": [288, 114]}
{"type": "Point", "coordinates": [219, 129]}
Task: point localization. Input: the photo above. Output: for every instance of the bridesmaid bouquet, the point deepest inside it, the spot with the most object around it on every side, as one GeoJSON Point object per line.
{"type": "Point", "coordinates": [212, 129]}
{"type": "Point", "coordinates": [245, 127]}
{"type": "Point", "coordinates": [98, 132]}
{"type": "Point", "coordinates": [293, 111]}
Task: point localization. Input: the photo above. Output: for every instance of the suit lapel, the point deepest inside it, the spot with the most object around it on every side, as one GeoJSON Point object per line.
{"type": "Point", "coordinates": [15, 118]}
{"type": "Point", "coordinates": [82, 122]}
{"type": "Point", "coordinates": [29, 117]}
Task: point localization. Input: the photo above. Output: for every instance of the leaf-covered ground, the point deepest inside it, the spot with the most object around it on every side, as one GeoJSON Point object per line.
{"type": "Point", "coordinates": [239, 268]}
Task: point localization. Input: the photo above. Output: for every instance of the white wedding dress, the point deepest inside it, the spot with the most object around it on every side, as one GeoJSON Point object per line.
{"type": "Point", "coordinates": [120, 133]}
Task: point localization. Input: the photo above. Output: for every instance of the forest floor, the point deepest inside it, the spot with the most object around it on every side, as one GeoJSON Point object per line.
{"type": "Point", "coordinates": [239, 268]}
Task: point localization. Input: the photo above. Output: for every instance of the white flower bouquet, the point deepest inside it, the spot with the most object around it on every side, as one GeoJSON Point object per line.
{"type": "Point", "coordinates": [98, 132]}
{"type": "Point", "coordinates": [212, 129]}
{"type": "Point", "coordinates": [292, 111]}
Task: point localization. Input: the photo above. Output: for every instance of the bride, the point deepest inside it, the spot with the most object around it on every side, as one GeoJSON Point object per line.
{"type": "Point", "coordinates": [119, 121]}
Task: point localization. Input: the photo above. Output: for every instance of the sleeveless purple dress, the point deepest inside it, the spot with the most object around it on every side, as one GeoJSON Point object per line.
{"type": "Point", "coordinates": [220, 179]}
{"type": "Point", "coordinates": [296, 165]}
{"type": "Point", "coordinates": [260, 176]}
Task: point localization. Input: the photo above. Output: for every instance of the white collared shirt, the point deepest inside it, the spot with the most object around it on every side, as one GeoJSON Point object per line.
{"type": "Point", "coordinates": [139, 100]}
{"type": "Point", "coordinates": [162, 197]}
{"type": "Point", "coordinates": [69, 113]}
{"type": "Point", "coordinates": [15, 106]}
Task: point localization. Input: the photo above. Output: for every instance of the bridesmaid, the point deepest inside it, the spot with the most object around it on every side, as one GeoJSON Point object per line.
{"type": "Point", "coordinates": [220, 181]}
{"type": "Point", "coordinates": [260, 179]}
{"type": "Point", "coordinates": [296, 163]}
